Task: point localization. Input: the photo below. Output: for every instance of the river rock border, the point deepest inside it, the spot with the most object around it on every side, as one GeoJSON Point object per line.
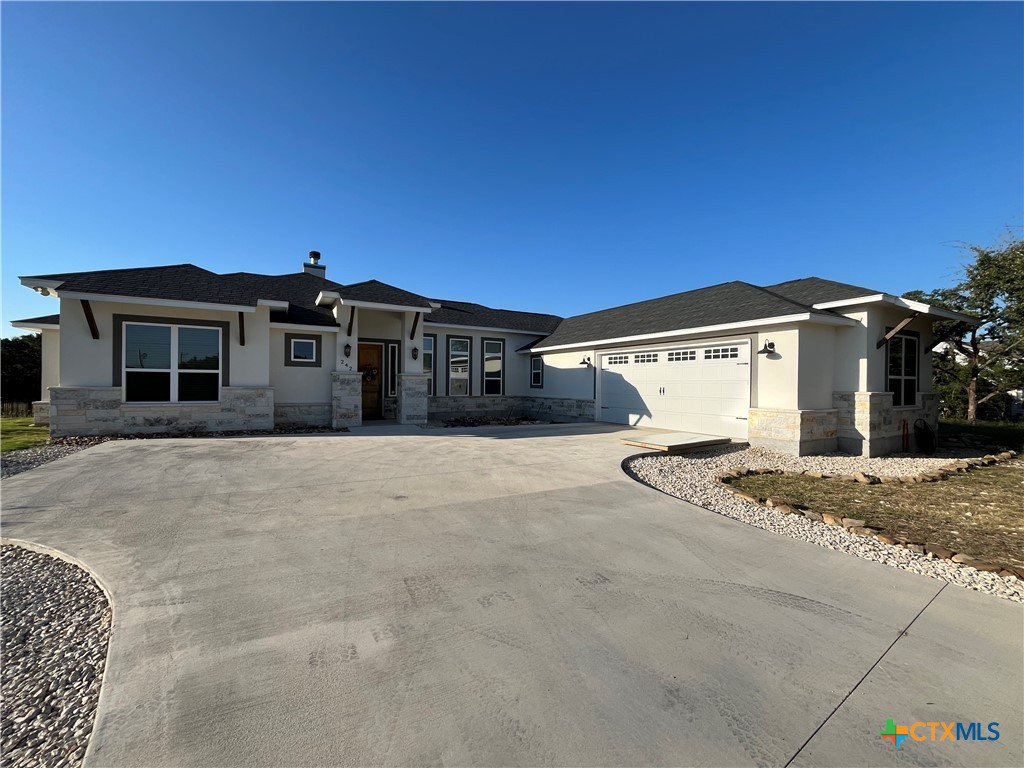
{"type": "Point", "coordinates": [859, 527]}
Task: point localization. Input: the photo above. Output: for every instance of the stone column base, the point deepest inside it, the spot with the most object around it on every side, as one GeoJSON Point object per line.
{"type": "Point", "coordinates": [412, 398]}
{"type": "Point", "coordinates": [41, 413]}
{"type": "Point", "coordinates": [869, 424]}
{"type": "Point", "coordinates": [346, 399]}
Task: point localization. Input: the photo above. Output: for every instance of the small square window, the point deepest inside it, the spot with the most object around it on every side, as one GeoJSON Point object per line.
{"type": "Point", "coordinates": [303, 350]}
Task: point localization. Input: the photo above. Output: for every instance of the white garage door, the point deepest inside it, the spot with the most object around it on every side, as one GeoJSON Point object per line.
{"type": "Point", "coordinates": [703, 389]}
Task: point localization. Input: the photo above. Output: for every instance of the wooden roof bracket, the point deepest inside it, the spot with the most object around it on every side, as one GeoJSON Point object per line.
{"type": "Point", "coordinates": [415, 325]}
{"type": "Point", "coordinates": [90, 318]}
{"type": "Point", "coordinates": [899, 327]}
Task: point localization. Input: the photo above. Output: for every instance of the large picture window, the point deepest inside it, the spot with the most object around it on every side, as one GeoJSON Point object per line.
{"type": "Point", "coordinates": [494, 367]}
{"type": "Point", "coordinates": [171, 363]}
{"type": "Point", "coordinates": [901, 370]}
{"type": "Point", "coordinates": [458, 366]}
{"type": "Point", "coordinates": [429, 343]}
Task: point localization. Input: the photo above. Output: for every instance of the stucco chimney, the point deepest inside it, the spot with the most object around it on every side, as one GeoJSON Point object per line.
{"type": "Point", "coordinates": [314, 267]}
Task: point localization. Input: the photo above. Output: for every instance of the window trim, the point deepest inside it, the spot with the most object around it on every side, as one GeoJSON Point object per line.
{"type": "Point", "coordinates": [541, 371]}
{"type": "Point", "coordinates": [291, 338]}
{"type": "Point", "coordinates": [483, 366]}
{"type": "Point", "coordinates": [174, 371]}
{"type": "Point", "coordinates": [433, 362]}
{"type": "Point", "coordinates": [916, 336]}
{"type": "Point", "coordinates": [117, 366]}
{"type": "Point", "coordinates": [391, 363]}
{"type": "Point", "coordinates": [448, 365]}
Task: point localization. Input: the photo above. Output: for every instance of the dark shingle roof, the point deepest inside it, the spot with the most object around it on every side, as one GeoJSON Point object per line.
{"type": "Point", "coordinates": [816, 290]}
{"type": "Point", "coordinates": [376, 292]}
{"type": "Point", "coordinates": [465, 313]}
{"type": "Point", "coordinates": [716, 305]}
{"type": "Point", "coordinates": [186, 282]}
{"type": "Point", "coordinates": [44, 320]}
{"type": "Point", "coordinates": [178, 282]}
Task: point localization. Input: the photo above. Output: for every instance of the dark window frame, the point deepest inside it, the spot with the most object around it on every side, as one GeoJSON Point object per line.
{"type": "Point", "coordinates": [393, 355]}
{"type": "Point", "coordinates": [483, 366]}
{"type": "Point", "coordinates": [916, 336]}
{"type": "Point", "coordinates": [433, 363]}
{"type": "Point", "coordinates": [314, 337]}
{"type": "Point", "coordinates": [541, 359]}
{"type": "Point", "coordinates": [448, 365]}
{"type": "Point", "coordinates": [174, 371]}
{"type": "Point", "coordinates": [118, 342]}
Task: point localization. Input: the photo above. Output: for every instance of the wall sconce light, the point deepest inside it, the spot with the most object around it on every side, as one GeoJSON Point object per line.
{"type": "Point", "coordinates": [348, 350]}
{"type": "Point", "coordinates": [585, 361]}
{"type": "Point", "coordinates": [767, 349]}
{"type": "Point", "coordinates": [415, 353]}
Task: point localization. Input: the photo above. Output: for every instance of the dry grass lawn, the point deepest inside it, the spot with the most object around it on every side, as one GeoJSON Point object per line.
{"type": "Point", "coordinates": [980, 513]}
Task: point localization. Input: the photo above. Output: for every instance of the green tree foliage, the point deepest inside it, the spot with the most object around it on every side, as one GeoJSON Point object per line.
{"type": "Point", "coordinates": [21, 366]}
{"type": "Point", "coordinates": [985, 360]}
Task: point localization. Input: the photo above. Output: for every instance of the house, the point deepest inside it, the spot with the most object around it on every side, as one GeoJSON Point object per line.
{"type": "Point", "coordinates": [803, 366]}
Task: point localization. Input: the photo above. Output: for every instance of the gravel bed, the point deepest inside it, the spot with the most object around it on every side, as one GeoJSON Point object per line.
{"type": "Point", "coordinates": [692, 477]}
{"type": "Point", "coordinates": [55, 627]}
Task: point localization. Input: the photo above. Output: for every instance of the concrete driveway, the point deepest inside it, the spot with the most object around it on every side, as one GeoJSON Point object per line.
{"type": "Point", "coordinates": [506, 597]}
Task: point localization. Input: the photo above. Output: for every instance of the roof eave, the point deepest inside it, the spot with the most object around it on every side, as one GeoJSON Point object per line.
{"type": "Point", "coordinates": [899, 301]}
{"type": "Point", "coordinates": [803, 317]}
{"type": "Point", "coordinates": [37, 327]}
{"type": "Point", "coordinates": [118, 299]}
{"type": "Point", "coordinates": [387, 307]}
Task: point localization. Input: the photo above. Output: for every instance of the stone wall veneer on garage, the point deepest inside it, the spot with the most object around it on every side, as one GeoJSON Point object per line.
{"type": "Point", "coordinates": [869, 425]}
{"type": "Point", "coordinates": [797, 433]}
{"type": "Point", "coordinates": [100, 411]}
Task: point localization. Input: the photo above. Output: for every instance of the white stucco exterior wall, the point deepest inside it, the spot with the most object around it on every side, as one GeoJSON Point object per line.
{"type": "Point", "coordinates": [565, 377]}
{"type": "Point", "coordinates": [51, 362]}
{"type": "Point", "coordinates": [817, 364]}
{"type": "Point", "coordinates": [300, 384]}
{"type": "Point", "coordinates": [774, 378]}
{"type": "Point", "coordinates": [88, 362]}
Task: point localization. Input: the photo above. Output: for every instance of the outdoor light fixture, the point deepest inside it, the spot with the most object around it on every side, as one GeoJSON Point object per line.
{"type": "Point", "coordinates": [585, 361]}
{"type": "Point", "coordinates": [348, 350]}
{"type": "Point", "coordinates": [768, 349]}
{"type": "Point", "coordinates": [415, 353]}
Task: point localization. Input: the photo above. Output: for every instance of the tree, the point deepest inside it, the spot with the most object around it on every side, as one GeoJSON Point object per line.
{"type": "Point", "coordinates": [21, 366]}
{"type": "Point", "coordinates": [993, 351]}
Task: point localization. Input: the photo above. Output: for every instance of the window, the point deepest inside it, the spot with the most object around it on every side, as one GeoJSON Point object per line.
{"type": "Point", "coordinates": [682, 355]}
{"type": "Point", "coordinates": [901, 370]}
{"type": "Point", "coordinates": [303, 350]}
{"type": "Point", "coordinates": [721, 353]}
{"type": "Point", "coordinates": [646, 357]}
{"type": "Point", "coordinates": [171, 363]}
{"type": "Point", "coordinates": [392, 370]}
{"type": "Point", "coordinates": [537, 371]}
{"type": "Point", "coordinates": [458, 366]}
{"type": "Point", "coordinates": [429, 342]}
{"type": "Point", "coordinates": [617, 360]}
{"type": "Point", "coordinates": [494, 366]}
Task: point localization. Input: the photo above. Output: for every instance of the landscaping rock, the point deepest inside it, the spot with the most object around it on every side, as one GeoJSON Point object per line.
{"type": "Point", "coordinates": [810, 514]}
{"type": "Point", "coordinates": [861, 530]}
{"type": "Point", "coordinates": [55, 628]}
{"type": "Point", "coordinates": [829, 519]}
{"type": "Point", "coordinates": [865, 479]}
{"type": "Point", "coordinates": [691, 476]}
{"type": "Point", "coordinates": [938, 550]}
{"type": "Point", "coordinates": [853, 522]}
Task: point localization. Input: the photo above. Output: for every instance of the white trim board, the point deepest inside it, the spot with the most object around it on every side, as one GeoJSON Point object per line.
{"type": "Point", "coordinates": [156, 302]}
{"type": "Point", "coordinates": [752, 325]}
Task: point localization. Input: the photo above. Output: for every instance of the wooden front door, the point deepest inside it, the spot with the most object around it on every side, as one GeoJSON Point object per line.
{"type": "Point", "coordinates": [371, 365]}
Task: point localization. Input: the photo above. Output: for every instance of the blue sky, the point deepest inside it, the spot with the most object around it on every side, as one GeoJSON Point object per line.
{"type": "Point", "coordinates": [545, 157]}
